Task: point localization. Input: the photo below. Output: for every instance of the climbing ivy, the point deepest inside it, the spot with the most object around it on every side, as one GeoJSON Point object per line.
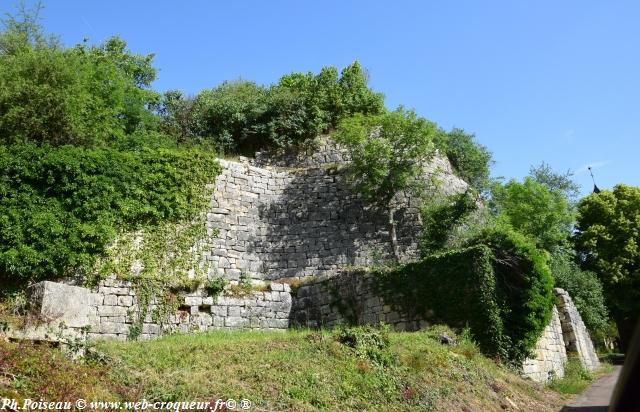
{"type": "Point", "coordinates": [499, 286]}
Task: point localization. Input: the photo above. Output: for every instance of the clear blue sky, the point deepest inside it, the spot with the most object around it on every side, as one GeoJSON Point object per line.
{"type": "Point", "coordinates": [557, 81]}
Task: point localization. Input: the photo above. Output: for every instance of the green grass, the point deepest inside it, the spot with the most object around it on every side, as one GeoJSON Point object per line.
{"type": "Point", "coordinates": [295, 370]}
{"type": "Point", "coordinates": [576, 378]}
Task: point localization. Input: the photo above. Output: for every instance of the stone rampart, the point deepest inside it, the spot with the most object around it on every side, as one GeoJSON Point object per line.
{"type": "Point", "coordinates": [114, 310]}
{"type": "Point", "coordinates": [297, 222]}
{"type": "Point", "coordinates": [550, 354]}
{"type": "Point", "coordinates": [576, 336]}
{"type": "Point", "coordinates": [346, 299]}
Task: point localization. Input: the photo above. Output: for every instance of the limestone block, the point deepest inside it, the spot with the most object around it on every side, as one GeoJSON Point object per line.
{"type": "Point", "coordinates": [61, 303]}
{"type": "Point", "coordinates": [112, 311]}
{"type": "Point", "coordinates": [236, 322]}
{"type": "Point", "coordinates": [125, 301]}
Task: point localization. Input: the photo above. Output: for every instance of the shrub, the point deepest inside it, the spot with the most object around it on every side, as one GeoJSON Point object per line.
{"type": "Point", "coordinates": [470, 160]}
{"type": "Point", "coordinates": [534, 210]}
{"type": "Point", "coordinates": [61, 207]}
{"type": "Point", "coordinates": [524, 288]}
{"type": "Point", "coordinates": [368, 343]}
{"type": "Point", "coordinates": [499, 286]}
{"type": "Point", "coordinates": [241, 116]}
{"type": "Point", "coordinates": [443, 218]}
{"type": "Point", "coordinates": [215, 286]}
{"type": "Point", "coordinates": [82, 95]}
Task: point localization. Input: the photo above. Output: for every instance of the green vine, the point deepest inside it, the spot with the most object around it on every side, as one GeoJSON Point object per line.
{"type": "Point", "coordinates": [161, 263]}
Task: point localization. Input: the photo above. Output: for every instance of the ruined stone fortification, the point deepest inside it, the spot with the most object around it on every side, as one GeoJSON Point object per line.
{"type": "Point", "coordinates": [283, 217]}
{"type": "Point", "coordinates": [305, 219]}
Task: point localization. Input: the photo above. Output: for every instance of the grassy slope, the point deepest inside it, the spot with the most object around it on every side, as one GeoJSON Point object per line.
{"type": "Point", "coordinates": [277, 371]}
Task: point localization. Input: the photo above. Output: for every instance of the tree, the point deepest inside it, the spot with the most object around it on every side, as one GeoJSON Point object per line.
{"type": "Point", "coordinates": [532, 209]}
{"type": "Point", "coordinates": [608, 242]}
{"type": "Point", "coordinates": [80, 95]}
{"type": "Point", "coordinates": [556, 182]}
{"type": "Point", "coordinates": [233, 115]}
{"type": "Point", "coordinates": [387, 152]}
{"type": "Point", "coordinates": [469, 159]}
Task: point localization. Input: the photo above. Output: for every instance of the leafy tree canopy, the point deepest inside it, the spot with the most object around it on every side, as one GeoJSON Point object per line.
{"type": "Point", "coordinates": [608, 241]}
{"type": "Point", "coordinates": [80, 95]}
{"type": "Point", "coordinates": [556, 182]}
{"type": "Point", "coordinates": [241, 116]}
{"type": "Point", "coordinates": [469, 159]}
{"type": "Point", "coordinates": [534, 210]}
{"type": "Point", "coordinates": [387, 154]}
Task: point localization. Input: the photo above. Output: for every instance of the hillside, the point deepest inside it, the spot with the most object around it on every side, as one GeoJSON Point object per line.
{"type": "Point", "coordinates": [295, 370]}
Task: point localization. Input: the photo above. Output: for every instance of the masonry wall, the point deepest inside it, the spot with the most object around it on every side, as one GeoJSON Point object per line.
{"type": "Point", "coordinates": [304, 220]}
{"type": "Point", "coordinates": [112, 309]}
{"type": "Point", "coordinates": [348, 298]}
{"type": "Point", "coordinates": [576, 336]}
{"type": "Point", "coordinates": [550, 354]}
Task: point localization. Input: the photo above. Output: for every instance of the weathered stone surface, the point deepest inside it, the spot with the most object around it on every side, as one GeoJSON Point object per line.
{"type": "Point", "coordinates": [58, 302]}
{"type": "Point", "coordinates": [576, 336]}
{"type": "Point", "coordinates": [550, 354]}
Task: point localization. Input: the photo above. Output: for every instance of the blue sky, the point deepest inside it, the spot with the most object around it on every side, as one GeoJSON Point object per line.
{"type": "Point", "coordinates": [554, 81]}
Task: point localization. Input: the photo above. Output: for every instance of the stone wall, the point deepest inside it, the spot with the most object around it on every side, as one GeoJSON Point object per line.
{"type": "Point", "coordinates": [576, 336]}
{"type": "Point", "coordinates": [112, 309]}
{"type": "Point", "coordinates": [295, 216]}
{"type": "Point", "coordinates": [348, 298]}
{"type": "Point", "coordinates": [307, 221]}
{"type": "Point", "coordinates": [550, 354]}
{"type": "Point", "coordinates": [320, 152]}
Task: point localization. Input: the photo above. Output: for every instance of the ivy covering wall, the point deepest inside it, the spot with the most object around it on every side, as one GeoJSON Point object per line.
{"type": "Point", "coordinates": [499, 287]}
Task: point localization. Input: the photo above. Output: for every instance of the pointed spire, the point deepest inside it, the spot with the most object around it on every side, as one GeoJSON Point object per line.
{"type": "Point", "coordinates": [595, 188]}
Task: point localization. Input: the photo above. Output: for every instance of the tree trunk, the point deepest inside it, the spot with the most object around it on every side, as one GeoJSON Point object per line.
{"type": "Point", "coordinates": [393, 235]}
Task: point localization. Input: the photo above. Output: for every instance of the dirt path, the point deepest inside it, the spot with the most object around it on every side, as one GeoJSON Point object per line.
{"type": "Point", "coordinates": [597, 396]}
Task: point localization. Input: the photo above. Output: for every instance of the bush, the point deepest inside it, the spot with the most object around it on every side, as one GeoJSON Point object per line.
{"type": "Point", "coordinates": [470, 160]}
{"type": "Point", "coordinates": [82, 95]}
{"type": "Point", "coordinates": [535, 211]}
{"type": "Point", "coordinates": [242, 117]}
{"type": "Point", "coordinates": [500, 287]}
{"type": "Point", "coordinates": [61, 207]}
{"type": "Point", "coordinates": [444, 218]}
{"type": "Point", "coordinates": [368, 343]}
{"type": "Point", "coordinates": [524, 285]}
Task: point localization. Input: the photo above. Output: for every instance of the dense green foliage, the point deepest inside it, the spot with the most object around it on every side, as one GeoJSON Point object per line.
{"type": "Point", "coordinates": [556, 182]}
{"type": "Point", "coordinates": [80, 95]}
{"type": "Point", "coordinates": [500, 287]}
{"type": "Point", "coordinates": [367, 342]}
{"type": "Point", "coordinates": [608, 241]}
{"type": "Point", "coordinates": [60, 207]}
{"type": "Point", "coordinates": [585, 289]}
{"type": "Point", "coordinates": [241, 116]}
{"type": "Point", "coordinates": [448, 222]}
{"type": "Point", "coordinates": [524, 288]}
{"type": "Point", "coordinates": [387, 151]}
{"type": "Point", "coordinates": [470, 160]}
{"type": "Point", "coordinates": [387, 154]}
{"type": "Point", "coordinates": [534, 210]}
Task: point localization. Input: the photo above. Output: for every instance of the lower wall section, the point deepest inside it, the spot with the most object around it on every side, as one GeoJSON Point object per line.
{"type": "Point", "coordinates": [113, 311]}
{"type": "Point", "coordinates": [348, 298]}
{"type": "Point", "coordinates": [550, 354]}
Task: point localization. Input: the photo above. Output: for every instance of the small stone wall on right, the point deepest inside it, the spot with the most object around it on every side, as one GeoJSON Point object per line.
{"type": "Point", "coordinates": [575, 334]}
{"type": "Point", "coordinates": [565, 334]}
